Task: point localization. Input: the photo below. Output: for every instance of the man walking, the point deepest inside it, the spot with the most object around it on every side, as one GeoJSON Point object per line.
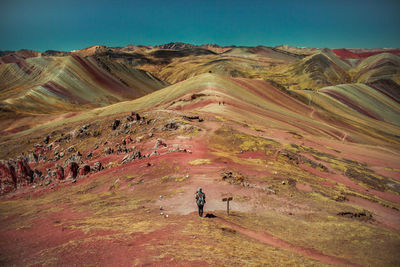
{"type": "Point", "coordinates": [200, 200]}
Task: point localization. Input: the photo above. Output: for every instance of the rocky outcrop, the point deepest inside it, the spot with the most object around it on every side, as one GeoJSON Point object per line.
{"type": "Point", "coordinates": [135, 155]}
{"type": "Point", "coordinates": [8, 178]}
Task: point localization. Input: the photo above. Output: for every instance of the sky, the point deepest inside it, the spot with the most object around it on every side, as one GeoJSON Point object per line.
{"type": "Point", "coordinates": [67, 25]}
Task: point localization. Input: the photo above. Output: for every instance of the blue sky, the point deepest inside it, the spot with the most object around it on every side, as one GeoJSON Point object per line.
{"type": "Point", "coordinates": [67, 25]}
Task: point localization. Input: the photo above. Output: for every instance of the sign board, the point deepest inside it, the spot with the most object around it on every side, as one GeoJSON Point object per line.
{"type": "Point", "coordinates": [227, 199]}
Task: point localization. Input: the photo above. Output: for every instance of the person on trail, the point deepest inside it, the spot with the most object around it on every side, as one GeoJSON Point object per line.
{"type": "Point", "coordinates": [200, 200]}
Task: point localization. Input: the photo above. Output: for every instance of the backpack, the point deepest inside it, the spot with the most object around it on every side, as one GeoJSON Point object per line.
{"type": "Point", "coordinates": [201, 199]}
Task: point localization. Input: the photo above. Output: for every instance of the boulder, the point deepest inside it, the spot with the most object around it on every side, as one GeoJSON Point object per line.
{"type": "Point", "coordinates": [84, 170]}
{"type": "Point", "coordinates": [72, 170]}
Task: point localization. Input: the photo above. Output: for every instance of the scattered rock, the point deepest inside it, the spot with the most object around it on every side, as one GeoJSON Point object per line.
{"type": "Point", "coordinates": [89, 155]}
{"type": "Point", "coordinates": [172, 125]}
{"type": "Point", "coordinates": [232, 177]}
{"type": "Point", "coordinates": [46, 139]}
{"type": "Point", "coordinates": [363, 216]}
{"type": "Point", "coordinates": [73, 158]}
{"type": "Point", "coordinates": [192, 118]}
{"type": "Point", "coordinates": [64, 138]}
{"type": "Point", "coordinates": [300, 159]}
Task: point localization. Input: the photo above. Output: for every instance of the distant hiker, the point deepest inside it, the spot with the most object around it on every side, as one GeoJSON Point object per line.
{"type": "Point", "coordinates": [223, 103]}
{"type": "Point", "coordinates": [200, 200]}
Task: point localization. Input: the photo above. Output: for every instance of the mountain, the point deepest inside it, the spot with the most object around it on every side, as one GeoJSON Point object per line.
{"type": "Point", "coordinates": [42, 85]}
{"type": "Point", "coordinates": [103, 149]}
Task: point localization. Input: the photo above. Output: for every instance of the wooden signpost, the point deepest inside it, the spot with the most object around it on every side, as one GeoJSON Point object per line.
{"type": "Point", "coordinates": [227, 199]}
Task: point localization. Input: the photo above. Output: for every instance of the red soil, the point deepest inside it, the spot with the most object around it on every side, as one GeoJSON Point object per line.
{"type": "Point", "coordinates": [344, 53]}
{"type": "Point", "coordinates": [63, 92]}
{"type": "Point", "coordinates": [304, 187]}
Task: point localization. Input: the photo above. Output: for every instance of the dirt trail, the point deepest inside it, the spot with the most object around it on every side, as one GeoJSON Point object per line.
{"type": "Point", "coordinates": [269, 239]}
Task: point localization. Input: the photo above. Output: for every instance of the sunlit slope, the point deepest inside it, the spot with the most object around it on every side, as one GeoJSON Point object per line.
{"type": "Point", "coordinates": [245, 62]}
{"type": "Point", "coordinates": [324, 68]}
{"type": "Point", "coordinates": [59, 84]}
{"type": "Point", "coordinates": [366, 100]}
{"type": "Point", "coordinates": [315, 71]}
{"type": "Point", "coordinates": [257, 102]}
{"type": "Point", "coordinates": [384, 66]}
